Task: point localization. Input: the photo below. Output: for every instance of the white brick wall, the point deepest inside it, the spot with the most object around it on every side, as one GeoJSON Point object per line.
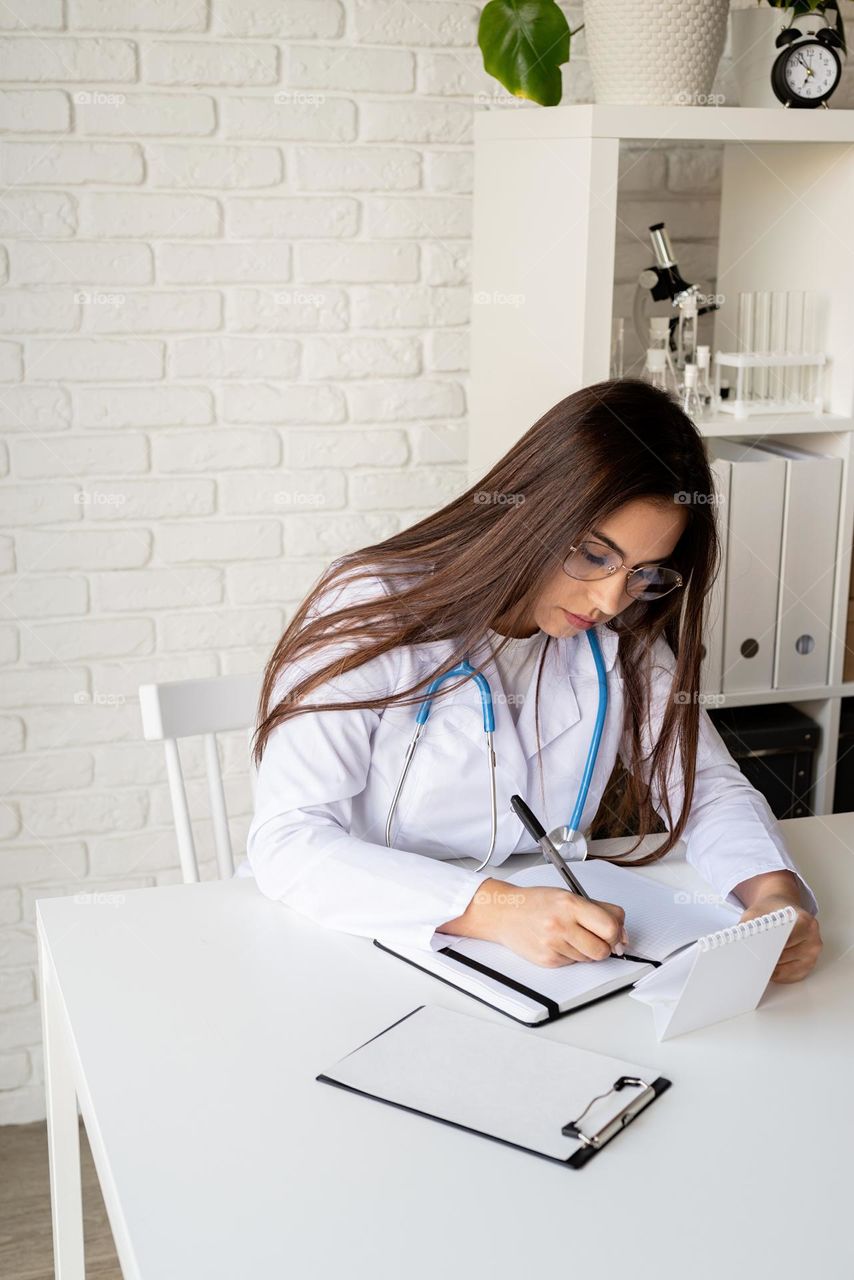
{"type": "Point", "coordinates": [235, 298]}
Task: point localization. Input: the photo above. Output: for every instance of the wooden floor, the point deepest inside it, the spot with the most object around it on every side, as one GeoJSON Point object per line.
{"type": "Point", "coordinates": [26, 1250]}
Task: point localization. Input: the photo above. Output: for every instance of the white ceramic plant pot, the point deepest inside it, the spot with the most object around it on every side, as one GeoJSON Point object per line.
{"type": "Point", "coordinates": [656, 52]}
{"type": "Point", "coordinates": [752, 35]}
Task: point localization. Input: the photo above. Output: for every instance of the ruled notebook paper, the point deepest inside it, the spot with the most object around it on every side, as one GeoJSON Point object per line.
{"type": "Point", "coordinates": [658, 920]}
{"type": "Point", "coordinates": [658, 925]}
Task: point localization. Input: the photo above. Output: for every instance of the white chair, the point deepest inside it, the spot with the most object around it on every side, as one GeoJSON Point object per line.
{"type": "Point", "coordinates": [199, 708]}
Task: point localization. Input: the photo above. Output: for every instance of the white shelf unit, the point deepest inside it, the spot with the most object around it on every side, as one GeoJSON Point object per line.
{"type": "Point", "coordinates": [544, 239]}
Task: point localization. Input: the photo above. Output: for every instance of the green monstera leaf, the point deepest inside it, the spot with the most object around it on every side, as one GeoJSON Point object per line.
{"type": "Point", "coordinates": [524, 43]}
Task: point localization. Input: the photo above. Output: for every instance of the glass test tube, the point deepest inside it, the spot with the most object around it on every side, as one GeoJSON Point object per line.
{"type": "Point", "coordinates": [779, 306]}
{"type": "Point", "coordinates": [687, 340]}
{"type": "Point", "coordinates": [794, 343]}
{"type": "Point", "coordinates": [618, 333]}
{"type": "Point", "coordinates": [746, 308]}
{"type": "Point", "coordinates": [659, 336]}
{"type": "Point", "coordinates": [811, 373]}
{"type": "Point", "coordinates": [761, 340]}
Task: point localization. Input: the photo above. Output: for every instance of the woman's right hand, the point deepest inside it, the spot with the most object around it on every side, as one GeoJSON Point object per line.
{"type": "Point", "coordinates": [550, 927]}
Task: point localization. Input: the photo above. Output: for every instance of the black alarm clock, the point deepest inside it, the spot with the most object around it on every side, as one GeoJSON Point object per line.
{"type": "Point", "coordinates": [807, 70]}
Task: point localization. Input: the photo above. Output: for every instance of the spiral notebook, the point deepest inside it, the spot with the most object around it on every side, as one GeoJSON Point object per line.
{"type": "Point", "coordinates": [719, 977]}
{"type": "Point", "coordinates": [661, 922]}
{"type": "Point", "coordinates": [500, 1082]}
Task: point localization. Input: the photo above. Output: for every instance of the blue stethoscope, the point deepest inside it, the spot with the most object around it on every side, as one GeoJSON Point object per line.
{"type": "Point", "coordinates": [561, 835]}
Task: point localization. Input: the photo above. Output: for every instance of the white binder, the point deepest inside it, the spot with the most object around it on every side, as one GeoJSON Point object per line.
{"type": "Point", "coordinates": [711, 669]}
{"type": "Point", "coordinates": [754, 543]}
{"type": "Point", "coordinates": [805, 598]}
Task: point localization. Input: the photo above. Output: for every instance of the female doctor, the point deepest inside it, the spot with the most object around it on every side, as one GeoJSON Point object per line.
{"type": "Point", "coordinates": [583, 559]}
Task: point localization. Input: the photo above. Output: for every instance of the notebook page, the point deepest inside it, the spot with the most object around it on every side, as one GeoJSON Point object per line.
{"type": "Point", "coordinates": [658, 921]}
{"type": "Point", "coordinates": [489, 1077]}
{"type": "Point", "coordinates": [566, 984]}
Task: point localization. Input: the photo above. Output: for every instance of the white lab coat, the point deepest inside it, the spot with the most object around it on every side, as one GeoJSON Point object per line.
{"type": "Point", "coordinates": [317, 838]}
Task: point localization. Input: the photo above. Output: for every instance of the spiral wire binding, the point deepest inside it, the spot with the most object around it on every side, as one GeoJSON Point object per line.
{"type": "Point", "coordinates": [746, 929]}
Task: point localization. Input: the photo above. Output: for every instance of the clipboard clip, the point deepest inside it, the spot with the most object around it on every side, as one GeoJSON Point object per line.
{"type": "Point", "coordinates": [634, 1105]}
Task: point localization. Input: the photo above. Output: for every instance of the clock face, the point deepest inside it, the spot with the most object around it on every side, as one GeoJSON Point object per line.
{"type": "Point", "coordinates": [811, 70]}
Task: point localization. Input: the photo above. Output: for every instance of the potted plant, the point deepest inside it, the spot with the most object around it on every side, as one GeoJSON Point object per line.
{"type": "Point", "coordinates": [754, 33]}
{"type": "Point", "coordinates": [663, 52]}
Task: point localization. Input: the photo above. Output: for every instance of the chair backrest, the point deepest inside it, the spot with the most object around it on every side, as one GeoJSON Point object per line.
{"type": "Point", "coordinates": [199, 708]}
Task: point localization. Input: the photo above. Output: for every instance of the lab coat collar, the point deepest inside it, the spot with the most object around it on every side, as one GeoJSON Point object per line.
{"type": "Point", "coordinates": [569, 670]}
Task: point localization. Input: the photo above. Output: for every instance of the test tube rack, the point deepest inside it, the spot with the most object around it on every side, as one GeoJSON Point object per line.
{"type": "Point", "coordinates": [743, 406]}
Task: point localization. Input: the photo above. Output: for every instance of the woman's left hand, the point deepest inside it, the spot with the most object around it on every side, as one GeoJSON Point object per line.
{"type": "Point", "coordinates": [804, 943]}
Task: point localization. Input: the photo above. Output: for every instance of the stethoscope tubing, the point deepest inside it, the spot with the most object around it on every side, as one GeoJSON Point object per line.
{"type": "Point", "coordinates": [593, 749]}
{"type": "Point", "coordinates": [465, 668]}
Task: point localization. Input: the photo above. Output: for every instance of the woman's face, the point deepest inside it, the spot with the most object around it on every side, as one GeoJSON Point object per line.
{"type": "Point", "coordinates": [642, 532]}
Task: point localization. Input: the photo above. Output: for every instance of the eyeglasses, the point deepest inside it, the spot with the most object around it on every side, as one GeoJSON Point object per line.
{"type": "Point", "coordinates": [591, 560]}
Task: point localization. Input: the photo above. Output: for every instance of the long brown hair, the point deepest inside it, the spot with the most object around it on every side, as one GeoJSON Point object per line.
{"type": "Point", "coordinates": [487, 555]}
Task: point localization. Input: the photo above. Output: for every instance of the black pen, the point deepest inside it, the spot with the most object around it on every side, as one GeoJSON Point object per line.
{"type": "Point", "coordinates": [537, 831]}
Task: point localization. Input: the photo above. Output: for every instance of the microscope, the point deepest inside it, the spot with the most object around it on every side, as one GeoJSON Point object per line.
{"type": "Point", "coordinates": [664, 282]}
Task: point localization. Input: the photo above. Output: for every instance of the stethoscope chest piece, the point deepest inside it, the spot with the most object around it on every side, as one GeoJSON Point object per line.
{"type": "Point", "coordinates": [572, 846]}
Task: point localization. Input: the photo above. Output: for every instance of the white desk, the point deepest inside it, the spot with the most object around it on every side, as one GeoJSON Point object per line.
{"type": "Point", "coordinates": [191, 1022]}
